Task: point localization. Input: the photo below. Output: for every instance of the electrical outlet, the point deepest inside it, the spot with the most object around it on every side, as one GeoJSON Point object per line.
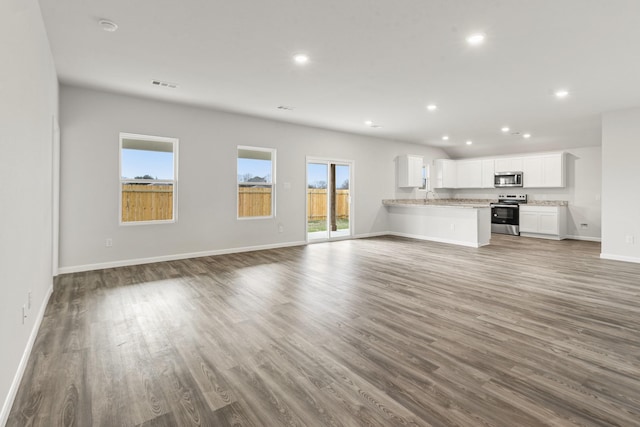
{"type": "Point", "coordinates": [629, 239]}
{"type": "Point", "coordinates": [280, 228]}
{"type": "Point", "coordinates": [108, 242]}
{"type": "Point", "coordinates": [583, 226]}
{"type": "Point", "coordinates": [453, 227]}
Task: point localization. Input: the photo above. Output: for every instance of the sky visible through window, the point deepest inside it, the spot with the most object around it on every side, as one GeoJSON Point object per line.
{"type": "Point", "coordinates": [157, 164]}
{"type": "Point", "coordinates": [318, 173]}
{"type": "Point", "coordinates": [251, 168]}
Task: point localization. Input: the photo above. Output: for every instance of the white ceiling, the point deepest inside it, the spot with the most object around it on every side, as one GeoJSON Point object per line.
{"type": "Point", "coordinates": [379, 60]}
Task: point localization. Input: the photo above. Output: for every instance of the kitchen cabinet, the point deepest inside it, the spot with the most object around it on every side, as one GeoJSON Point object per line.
{"type": "Point", "coordinates": [509, 164]}
{"type": "Point", "coordinates": [542, 171]}
{"type": "Point", "coordinates": [444, 173]}
{"type": "Point", "coordinates": [488, 173]}
{"type": "Point", "coordinates": [543, 221]}
{"type": "Point", "coordinates": [410, 171]}
{"type": "Point", "coordinates": [539, 171]}
{"type": "Point", "coordinates": [469, 174]}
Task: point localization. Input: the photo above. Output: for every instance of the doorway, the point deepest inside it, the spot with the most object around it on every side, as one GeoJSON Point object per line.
{"type": "Point", "coordinates": [329, 199]}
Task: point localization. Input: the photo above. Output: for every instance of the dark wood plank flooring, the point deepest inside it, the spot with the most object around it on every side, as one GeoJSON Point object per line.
{"type": "Point", "coordinates": [378, 332]}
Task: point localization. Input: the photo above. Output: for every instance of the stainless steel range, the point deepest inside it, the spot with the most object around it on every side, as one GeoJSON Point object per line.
{"type": "Point", "coordinates": [505, 215]}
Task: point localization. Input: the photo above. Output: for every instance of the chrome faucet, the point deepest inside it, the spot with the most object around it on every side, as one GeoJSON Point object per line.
{"type": "Point", "coordinates": [426, 195]}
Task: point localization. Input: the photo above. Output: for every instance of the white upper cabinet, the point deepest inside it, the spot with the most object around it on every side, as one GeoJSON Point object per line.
{"type": "Point", "coordinates": [547, 170]}
{"type": "Point", "coordinates": [410, 171]}
{"type": "Point", "coordinates": [444, 173]}
{"type": "Point", "coordinates": [539, 171]}
{"type": "Point", "coordinates": [469, 174]}
{"type": "Point", "coordinates": [488, 173]}
{"type": "Point", "coordinates": [508, 164]}
{"type": "Point", "coordinates": [532, 170]}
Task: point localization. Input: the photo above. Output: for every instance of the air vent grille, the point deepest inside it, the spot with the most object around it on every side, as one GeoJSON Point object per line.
{"type": "Point", "coordinates": [164, 84]}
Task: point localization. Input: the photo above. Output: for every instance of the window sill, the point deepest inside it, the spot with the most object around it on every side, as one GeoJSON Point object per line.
{"type": "Point", "coordinates": [245, 218]}
{"type": "Point", "coordinates": [164, 221]}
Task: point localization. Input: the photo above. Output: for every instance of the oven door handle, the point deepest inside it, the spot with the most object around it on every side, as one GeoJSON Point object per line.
{"type": "Point", "coordinates": [505, 206]}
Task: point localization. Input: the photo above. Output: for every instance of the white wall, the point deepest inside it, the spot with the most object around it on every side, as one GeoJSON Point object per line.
{"type": "Point", "coordinates": [28, 101]}
{"type": "Point", "coordinates": [620, 178]}
{"type": "Point", "coordinates": [583, 192]}
{"type": "Point", "coordinates": [90, 124]}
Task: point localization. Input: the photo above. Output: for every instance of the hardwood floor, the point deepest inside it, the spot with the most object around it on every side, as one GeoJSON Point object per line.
{"type": "Point", "coordinates": [380, 332]}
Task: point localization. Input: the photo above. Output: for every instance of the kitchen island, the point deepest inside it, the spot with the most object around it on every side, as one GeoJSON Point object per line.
{"type": "Point", "coordinates": [455, 221]}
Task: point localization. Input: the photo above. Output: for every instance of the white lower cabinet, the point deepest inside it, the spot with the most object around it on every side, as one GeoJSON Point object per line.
{"type": "Point", "coordinates": [543, 221]}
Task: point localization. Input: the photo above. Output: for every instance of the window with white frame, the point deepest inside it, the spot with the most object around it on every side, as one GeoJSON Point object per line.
{"type": "Point", "coordinates": [256, 182]}
{"type": "Point", "coordinates": [424, 185]}
{"type": "Point", "coordinates": [148, 179]}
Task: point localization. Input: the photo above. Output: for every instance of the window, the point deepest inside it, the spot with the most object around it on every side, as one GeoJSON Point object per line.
{"type": "Point", "coordinates": [256, 180]}
{"type": "Point", "coordinates": [425, 178]}
{"type": "Point", "coordinates": [148, 179]}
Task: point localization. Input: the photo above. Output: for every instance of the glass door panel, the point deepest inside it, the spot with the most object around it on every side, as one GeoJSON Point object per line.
{"type": "Point", "coordinates": [339, 212]}
{"type": "Point", "coordinates": [328, 200]}
{"type": "Point", "coordinates": [317, 184]}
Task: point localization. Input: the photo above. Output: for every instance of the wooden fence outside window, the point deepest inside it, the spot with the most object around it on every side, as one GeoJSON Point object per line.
{"type": "Point", "coordinates": [317, 204]}
{"type": "Point", "coordinates": [155, 202]}
{"type": "Point", "coordinates": [147, 202]}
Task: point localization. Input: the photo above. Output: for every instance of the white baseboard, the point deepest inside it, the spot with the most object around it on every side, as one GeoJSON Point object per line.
{"type": "Point", "coordinates": [367, 235]}
{"type": "Point", "coordinates": [620, 258]}
{"type": "Point", "coordinates": [586, 238]}
{"type": "Point", "coordinates": [13, 390]}
{"type": "Point", "coordinates": [541, 236]}
{"type": "Point", "coordinates": [436, 239]}
{"type": "Point", "coordinates": [174, 257]}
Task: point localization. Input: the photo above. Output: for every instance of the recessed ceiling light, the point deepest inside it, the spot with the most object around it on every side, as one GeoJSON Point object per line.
{"type": "Point", "coordinates": [526, 135]}
{"type": "Point", "coordinates": [445, 138]}
{"type": "Point", "coordinates": [432, 107]}
{"type": "Point", "coordinates": [107, 25]}
{"type": "Point", "coordinates": [476, 39]}
{"type": "Point", "coordinates": [368, 123]}
{"type": "Point", "coordinates": [562, 93]}
{"type": "Point", "coordinates": [301, 58]}
{"type": "Point", "coordinates": [469, 142]}
{"type": "Point", "coordinates": [505, 129]}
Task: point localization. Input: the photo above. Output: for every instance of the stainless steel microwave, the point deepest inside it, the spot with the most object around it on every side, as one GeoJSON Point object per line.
{"type": "Point", "coordinates": [507, 179]}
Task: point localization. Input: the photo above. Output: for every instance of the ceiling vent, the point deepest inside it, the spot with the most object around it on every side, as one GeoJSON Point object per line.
{"type": "Point", "coordinates": [284, 107]}
{"type": "Point", "coordinates": [164, 84]}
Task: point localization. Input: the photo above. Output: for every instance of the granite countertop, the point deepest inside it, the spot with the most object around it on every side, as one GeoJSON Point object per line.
{"type": "Point", "coordinates": [463, 203]}
{"type": "Point", "coordinates": [547, 203]}
{"type": "Point", "coordinates": [441, 203]}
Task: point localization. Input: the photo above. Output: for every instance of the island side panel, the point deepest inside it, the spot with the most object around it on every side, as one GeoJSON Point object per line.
{"type": "Point", "coordinates": [447, 224]}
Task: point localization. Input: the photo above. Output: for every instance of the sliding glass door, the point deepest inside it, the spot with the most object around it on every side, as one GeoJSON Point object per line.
{"type": "Point", "coordinates": [329, 199]}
